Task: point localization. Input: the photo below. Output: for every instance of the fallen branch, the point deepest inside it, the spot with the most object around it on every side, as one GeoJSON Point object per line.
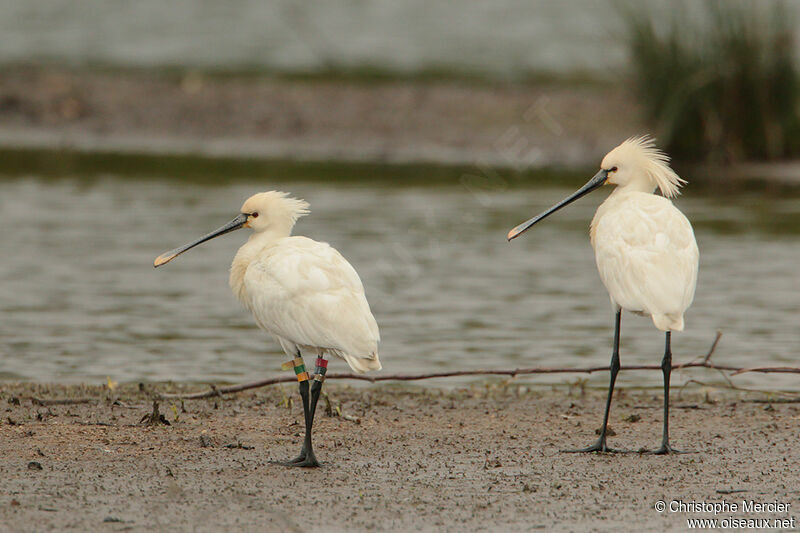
{"type": "Point", "coordinates": [61, 401]}
{"type": "Point", "coordinates": [729, 385]}
{"type": "Point", "coordinates": [704, 362]}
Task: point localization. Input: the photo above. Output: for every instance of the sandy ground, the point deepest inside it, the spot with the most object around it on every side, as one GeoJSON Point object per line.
{"type": "Point", "coordinates": [485, 458]}
{"type": "Point", "coordinates": [534, 124]}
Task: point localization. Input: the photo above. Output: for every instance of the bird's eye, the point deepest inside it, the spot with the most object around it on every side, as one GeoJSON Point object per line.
{"type": "Point", "coordinates": [613, 169]}
{"type": "Point", "coordinates": [254, 215]}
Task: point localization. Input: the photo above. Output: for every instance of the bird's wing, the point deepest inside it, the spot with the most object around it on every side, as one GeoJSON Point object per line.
{"type": "Point", "coordinates": [647, 256]}
{"type": "Point", "coordinates": [305, 291]}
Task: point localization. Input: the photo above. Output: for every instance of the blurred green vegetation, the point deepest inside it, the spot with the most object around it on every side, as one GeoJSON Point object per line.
{"type": "Point", "coordinates": [718, 78]}
{"type": "Point", "coordinates": [199, 169]}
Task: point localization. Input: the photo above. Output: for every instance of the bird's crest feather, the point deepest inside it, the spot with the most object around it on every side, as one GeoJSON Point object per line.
{"type": "Point", "coordinates": [654, 162]}
{"type": "Point", "coordinates": [277, 204]}
{"type": "Point", "coordinates": [296, 206]}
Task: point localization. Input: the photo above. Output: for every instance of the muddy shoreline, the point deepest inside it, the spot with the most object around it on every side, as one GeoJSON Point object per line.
{"type": "Point", "coordinates": [397, 121]}
{"type": "Point", "coordinates": [400, 459]}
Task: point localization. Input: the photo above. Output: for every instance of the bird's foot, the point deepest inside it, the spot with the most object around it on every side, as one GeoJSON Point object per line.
{"type": "Point", "coordinates": [665, 449]}
{"type": "Point", "coordinates": [598, 447]}
{"type": "Point", "coordinates": [309, 462]}
{"type": "Point", "coordinates": [304, 460]}
{"type": "Point", "coordinates": [299, 459]}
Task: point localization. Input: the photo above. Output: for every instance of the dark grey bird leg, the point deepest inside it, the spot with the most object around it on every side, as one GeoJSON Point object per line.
{"type": "Point", "coordinates": [306, 457]}
{"type": "Point", "coordinates": [600, 445]}
{"type": "Point", "coordinates": [666, 369]}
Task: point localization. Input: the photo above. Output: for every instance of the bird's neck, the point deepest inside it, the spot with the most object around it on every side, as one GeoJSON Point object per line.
{"type": "Point", "coordinates": [619, 194]}
{"type": "Point", "coordinates": [636, 185]}
{"type": "Point", "coordinates": [248, 252]}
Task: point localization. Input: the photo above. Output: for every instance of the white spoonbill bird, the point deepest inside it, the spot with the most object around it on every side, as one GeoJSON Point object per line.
{"type": "Point", "coordinates": [302, 292]}
{"type": "Point", "coordinates": [645, 250]}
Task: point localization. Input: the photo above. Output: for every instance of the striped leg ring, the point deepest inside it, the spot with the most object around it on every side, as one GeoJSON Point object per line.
{"type": "Point", "coordinates": [299, 368]}
{"type": "Point", "coordinates": [322, 368]}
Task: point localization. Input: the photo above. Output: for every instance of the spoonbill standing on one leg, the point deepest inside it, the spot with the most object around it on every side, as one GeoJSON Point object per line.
{"type": "Point", "coordinates": [301, 291]}
{"type": "Point", "coordinates": [645, 250]}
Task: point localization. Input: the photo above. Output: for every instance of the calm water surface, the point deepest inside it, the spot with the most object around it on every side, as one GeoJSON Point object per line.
{"type": "Point", "coordinates": [79, 299]}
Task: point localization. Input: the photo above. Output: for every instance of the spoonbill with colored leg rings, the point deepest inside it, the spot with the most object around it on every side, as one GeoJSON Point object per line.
{"type": "Point", "coordinates": [302, 292]}
{"type": "Point", "coordinates": [645, 250]}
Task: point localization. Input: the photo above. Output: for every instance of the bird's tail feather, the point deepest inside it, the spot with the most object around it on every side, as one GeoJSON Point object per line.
{"type": "Point", "coordinates": [361, 364]}
{"type": "Point", "coordinates": [668, 322]}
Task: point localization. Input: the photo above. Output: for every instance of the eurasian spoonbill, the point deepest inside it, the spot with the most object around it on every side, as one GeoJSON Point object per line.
{"type": "Point", "coordinates": [645, 250]}
{"type": "Point", "coordinates": [302, 292]}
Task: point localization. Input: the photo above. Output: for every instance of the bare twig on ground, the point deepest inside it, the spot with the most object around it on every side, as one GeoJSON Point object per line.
{"type": "Point", "coordinates": [703, 361]}
{"type": "Point", "coordinates": [62, 401]}
{"type": "Point", "coordinates": [729, 385]}
{"type": "Point", "coordinates": [773, 400]}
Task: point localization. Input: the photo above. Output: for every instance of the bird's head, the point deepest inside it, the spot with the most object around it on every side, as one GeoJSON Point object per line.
{"type": "Point", "coordinates": [636, 164]}
{"type": "Point", "coordinates": [266, 211]}
{"type": "Point", "coordinates": [272, 210]}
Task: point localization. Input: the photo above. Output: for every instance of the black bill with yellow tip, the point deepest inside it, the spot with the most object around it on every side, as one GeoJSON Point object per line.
{"type": "Point", "coordinates": [597, 181]}
{"type": "Point", "coordinates": [234, 224]}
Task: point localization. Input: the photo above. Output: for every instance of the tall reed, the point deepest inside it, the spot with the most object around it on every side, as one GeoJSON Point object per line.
{"type": "Point", "coordinates": [718, 78]}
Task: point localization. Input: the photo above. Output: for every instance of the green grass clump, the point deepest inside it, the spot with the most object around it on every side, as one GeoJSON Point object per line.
{"type": "Point", "coordinates": [718, 78]}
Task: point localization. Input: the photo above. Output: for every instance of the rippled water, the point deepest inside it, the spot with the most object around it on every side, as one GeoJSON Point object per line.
{"type": "Point", "coordinates": [79, 299]}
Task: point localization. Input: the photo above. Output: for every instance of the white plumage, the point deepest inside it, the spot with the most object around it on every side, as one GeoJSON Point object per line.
{"type": "Point", "coordinates": [307, 295]}
{"type": "Point", "coordinates": [644, 246]}
{"type": "Point", "coordinates": [646, 256]}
